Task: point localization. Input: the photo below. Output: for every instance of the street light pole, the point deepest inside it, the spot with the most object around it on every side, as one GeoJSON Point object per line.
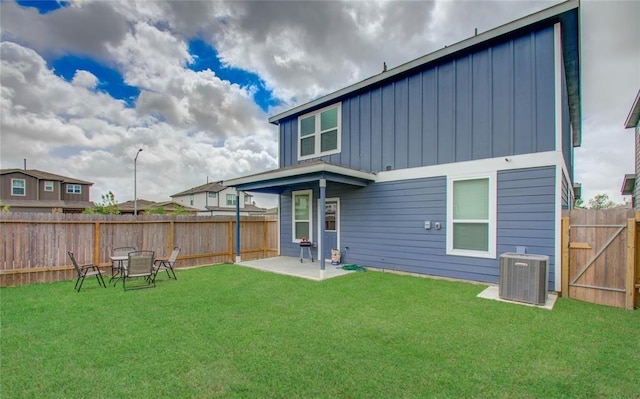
{"type": "Point", "coordinates": [135, 183]}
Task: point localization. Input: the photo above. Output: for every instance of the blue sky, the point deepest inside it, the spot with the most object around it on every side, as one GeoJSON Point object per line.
{"type": "Point", "coordinates": [112, 82]}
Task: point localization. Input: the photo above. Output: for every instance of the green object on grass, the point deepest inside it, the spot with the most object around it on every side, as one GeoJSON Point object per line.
{"type": "Point", "coordinates": [357, 268]}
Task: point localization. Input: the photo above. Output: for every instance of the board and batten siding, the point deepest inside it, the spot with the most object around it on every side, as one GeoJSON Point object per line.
{"type": "Point", "coordinates": [496, 101]}
{"type": "Point", "coordinates": [383, 224]}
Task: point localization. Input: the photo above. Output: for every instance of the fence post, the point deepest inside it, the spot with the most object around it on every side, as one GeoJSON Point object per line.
{"type": "Point", "coordinates": [565, 257]}
{"type": "Point", "coordinates": [96, 243]}
{"type": "Point", "coordinates": [630, 278]}
{"type": "Point", "coordinates": [171, 236]}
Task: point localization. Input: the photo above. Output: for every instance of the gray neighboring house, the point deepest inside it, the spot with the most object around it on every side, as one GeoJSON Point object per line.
{"type": "Point", "coordinates": [215, 199]}
{"type": "Point", "coordinates": [32, 190]}
{"type": "Point", "coordinates": [442, 164]}
{"type": "Point", "coordinates": [630, 184]}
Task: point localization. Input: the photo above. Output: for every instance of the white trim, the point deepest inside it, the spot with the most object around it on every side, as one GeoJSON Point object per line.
{"type": "Point", "coordinates": [557, 59]}
{"type": "Point", "coordinates": [293, 214]}
{"type": "Point", "coordinates": [51, 185]}
{"type": "Point", "coordinates": [320, 223]}
{"type": "Point", "coordinates": [493, 193]}
{"type": "Point", "coordinates": [69, 185]}
{"type": "Point", "coordinates": [561, 169]}
{"type": "Point", "coordinates": [317, 135]}
{"type": "Point", "coordinates": [558, 230]}
{"type": "Point", "coordinates": [279, 226]}
{"type": "Point", "coordinates": [533, 160]}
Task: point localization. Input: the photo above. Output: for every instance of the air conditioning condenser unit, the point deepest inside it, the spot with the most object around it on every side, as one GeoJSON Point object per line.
{"type": "Point", "coordinates": [523, 278]}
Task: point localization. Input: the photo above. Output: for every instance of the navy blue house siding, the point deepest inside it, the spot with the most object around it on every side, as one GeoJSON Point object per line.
{"type": "Point", "coordinates": [497, 101]}
{"type": "Point", "coordinates": [383, 224]}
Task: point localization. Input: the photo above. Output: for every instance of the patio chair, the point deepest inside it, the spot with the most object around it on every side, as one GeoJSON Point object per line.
{"type": "Point", "coordinates": [85, 271]}
{"type": "Point", "coordinates": [139, 264]}
{"type": "Point", "coordinates": [166, 264]}
{"type": "Point", "coordinates": [117, 266]}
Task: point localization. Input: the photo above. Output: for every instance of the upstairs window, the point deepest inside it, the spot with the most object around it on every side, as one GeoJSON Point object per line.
{"type": "Point", "coordinates": [231, 200]}
{"type": "Point", "coordinates": [18, 187]}
{"type": "Point", "coordinates": [212, 194]}
{"type": "Point", "coordinates": [191, 199]}
{"type": "Point", "coordinates": [319, 132]}
{"type": "Point", "coordinates": [74, 189]}
{"type": "Point", "coordinates": [48, 185]}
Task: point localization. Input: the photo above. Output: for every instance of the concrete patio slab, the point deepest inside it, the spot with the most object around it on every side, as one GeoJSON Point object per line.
{"type": "Point", "coordinates": [291, 266]}
{"type": "Point", "coordinates": [492, 292]}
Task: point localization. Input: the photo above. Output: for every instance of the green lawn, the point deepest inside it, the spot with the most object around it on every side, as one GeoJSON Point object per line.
{"type": "Point", "coordinates": [232, 332]}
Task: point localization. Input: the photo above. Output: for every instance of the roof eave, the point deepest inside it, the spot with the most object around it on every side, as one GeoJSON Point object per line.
{"type": "Point", "coordinates": [634, 114]}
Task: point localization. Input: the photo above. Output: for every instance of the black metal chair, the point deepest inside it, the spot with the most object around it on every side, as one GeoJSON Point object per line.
{"type": "Point", "coordinates": [85, 271]}
{"type": "Point", "coordinates": [139, 264]}
{"type": "Point", "coordinates": [166, 264]}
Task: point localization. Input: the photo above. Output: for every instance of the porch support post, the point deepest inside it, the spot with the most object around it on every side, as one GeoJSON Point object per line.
{"type": "Point", "coordinates": [323, 197]}
{"type": "Point", "coordinates": [238, 255]}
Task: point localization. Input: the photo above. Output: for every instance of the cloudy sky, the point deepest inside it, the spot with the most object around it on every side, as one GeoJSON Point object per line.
{"type": "Point", "coordinates": [84, 84]}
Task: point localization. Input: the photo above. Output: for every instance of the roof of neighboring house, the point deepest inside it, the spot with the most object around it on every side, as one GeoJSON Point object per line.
{"type": "Point", "coordinates": [48, 204]}
{"type": "Point", "coordinates": [634, 114]}
{"type": "Point", "coordinates": [570, 32]}
{"type": "Point", "coordinates": [169, 206]}
{"type": "Point", "coordinates": [628, 184]}
{"type": "Point", "coordinates": [205, 188]}
{"type": "Point", "coordinates": [247, 208]}
{"type": "Point", "coordinates": [38, 174]}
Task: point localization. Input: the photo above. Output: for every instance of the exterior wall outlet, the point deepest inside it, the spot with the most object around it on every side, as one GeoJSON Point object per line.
{"type": "Point", "coordinates": [437, 225]}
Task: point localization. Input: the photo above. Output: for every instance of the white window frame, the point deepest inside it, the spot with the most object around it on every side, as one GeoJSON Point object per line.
{"type": "Point", "coordinates": [211, 194]}
{"type": "Point", "coordinates": [232, 202]}
{"type": "Point", "coordinates": [71, 189]}
{"type": "Point", "coordinates": [317, 135]}
{"type": "Point", "coordinates": [294, 194]}
{"type": "Point", "coordinates": [23, 188]}
{"type": "Point", "coordinates": [48, 185]}
{"type": "Point", "coordinates": [491, 253]}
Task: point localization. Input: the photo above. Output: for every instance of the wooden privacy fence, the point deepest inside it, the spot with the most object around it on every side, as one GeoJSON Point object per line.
{"type": "Point", "coordinates": [34, 245]}
{"type": "Point", "coordinates": [600, 256]}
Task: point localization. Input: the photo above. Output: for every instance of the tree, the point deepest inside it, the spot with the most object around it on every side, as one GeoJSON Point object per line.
{"type": "Point", "coordinates": [108, 206]}
{"type": "Point", "coordinates": [601, 201]}
{"type": "Point", "coordinates": [579, 204]}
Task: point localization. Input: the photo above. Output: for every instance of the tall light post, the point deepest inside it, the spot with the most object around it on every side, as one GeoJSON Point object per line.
{"type": "Point", "coordinates": [135, 183]}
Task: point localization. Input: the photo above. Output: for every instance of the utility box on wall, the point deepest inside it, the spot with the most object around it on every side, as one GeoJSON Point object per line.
{"type": "Point", "coordinates": [523, 278]}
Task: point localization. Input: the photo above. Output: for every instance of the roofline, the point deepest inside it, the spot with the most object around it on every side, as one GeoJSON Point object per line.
{"type": "Point", "coordinates": [634, 114]}
{"type": "Point", "coordinates": [438, 54]}
{"type": "Point", "coordinates": [314, 168]}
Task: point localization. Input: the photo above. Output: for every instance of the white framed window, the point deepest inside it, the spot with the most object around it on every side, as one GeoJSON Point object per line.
{"type": "Point", "coordinates": [212, 194]}
{"type": "Point", "coordinates": [471, 215]}
{"type": "Point", "coordinates": [191, 199]}
{"type": "Point", "coordinates": [319, 132]}
{"type": "Point", "coordinates": [302, 224]}
{"type": "Point", "coordinates": [247, 199]}
{"type": "Point", "coordinates": [231, 200]}
{"type": "Point", "coordinates": [74, 189]}
{"type": "Point", "coordinates": [18, 187]}
{"type": "Point", "coordinates": [48, 185]}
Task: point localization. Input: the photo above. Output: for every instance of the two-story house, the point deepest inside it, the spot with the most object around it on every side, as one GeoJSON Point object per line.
{"type": "Point", "coordinates": [37, 191]}
{"type": "Point", "coordinates": [439, 165]}
{"type": "Point", "coordinates": [215, 199]}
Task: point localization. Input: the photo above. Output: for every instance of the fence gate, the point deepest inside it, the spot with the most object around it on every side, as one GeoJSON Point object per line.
{"type": "Point", "coordinates": [599, 260]}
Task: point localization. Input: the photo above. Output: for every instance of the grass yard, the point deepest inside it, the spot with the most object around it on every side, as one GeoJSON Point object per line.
{"type": "Point", "coordinates": [233, 332]}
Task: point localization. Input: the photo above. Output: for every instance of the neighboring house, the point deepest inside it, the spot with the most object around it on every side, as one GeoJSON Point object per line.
{"type": "Point", "coordinates": [128, 207]}
{"type": "Point", "coordinates": [31, 190]}
{"type": "Point", "coordinates": [215, 199]}
{"type": "Point", "coordinates": [630, 184]}
{"type": "Point", "coordinates": [442, 164]}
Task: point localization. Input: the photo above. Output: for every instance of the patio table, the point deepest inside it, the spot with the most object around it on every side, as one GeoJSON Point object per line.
{"type": "Point", "coordinates": [117, 264]}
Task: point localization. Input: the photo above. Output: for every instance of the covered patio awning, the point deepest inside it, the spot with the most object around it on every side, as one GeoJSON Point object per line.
{"type": "Point", "coordinates": [278, 180]}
